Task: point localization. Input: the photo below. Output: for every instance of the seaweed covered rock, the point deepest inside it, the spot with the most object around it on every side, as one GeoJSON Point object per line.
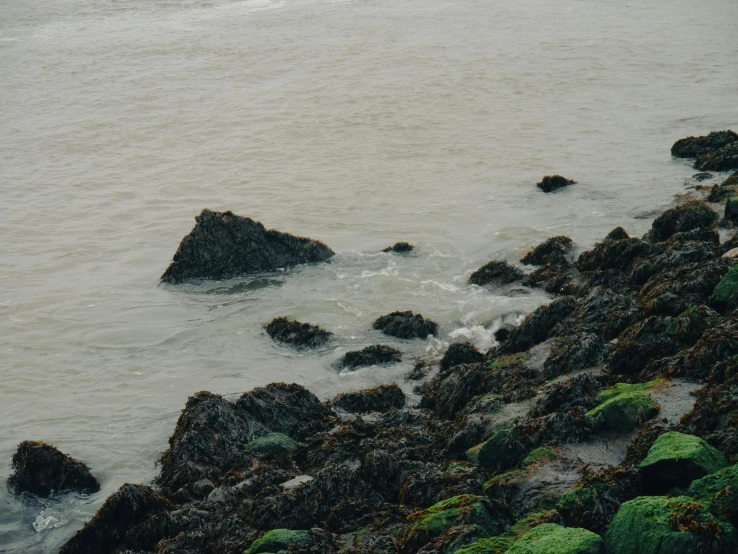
{"type": "Point", "coordinates": [554, 251]}
{"type": "Point", "coordinates": [614, 254]}
{"type": "Point", "coordinates": [719, 492]}
{"type": "Point", "coordinates": [563, 396]}
{"type": "Point", "coordinates": [692, 147]}
{"type": "Point", "coordinates": [280, 539]}
{"type": "Point", "coordinates": [554, 279]}
{"type": "Point", "coordinates": [550, 537]}
{"type": "Point", "coordinates": [537, 326]}
{"type": "Point", "coordinates": [399, 248]}
{"type": "Point", "coordinates": [574, 352]}
{"type": "Point", "coordinates": [460, 353]}
{"type": "Point", "coordinates": [618, 233]}
{"type": "Point", "coordinates": [223, 245]}
{"type": "Point", "coordinates": [624, 411]}
{"type": "Point", "coordinates": [377, 354]}
{"type": "Point", "coordinates": [641, 343]}
{"type": "Point", "coordinates": [688, 326]}
{"type": "Point", "coordinates": [431, 523]}
{"type": "Point", "coordinates": [689, 216]}
{"type": "Point", "coordinates": [41, 469]}
{"type": "Point", "coordinates": [271, 445]}
{"type": "Point", "coordinates": [603, 312]}
{"type": "Point", "coordinates": [724, 190]}
{"type": "Point", "coordinates": [677, 459]}
{"type": "Point", "coordinates": [496, 272]}
{"type": "Point", "coordinates": [725, 294]}
{"type": "Point", "coordinates": [660, 525]}
{"type": "Point", "coordinates": [501, 451]}
{"type": "Point", "coordinates": [379, 399]}
{"type": "Point", "coordinates": [294, 333]}
{"type": "Point", "coordinates": [113, 526]}
{"type": "Point", "coordinates": [718, 344]}
{"type": "Point", "coordinates": [502, 543]}
{"type": "Point", "coordinates": [551, 183]}
{"type": "Point", "coordinates": [406, 325]}
{"type": "Point", "coordinates": [722, 159]}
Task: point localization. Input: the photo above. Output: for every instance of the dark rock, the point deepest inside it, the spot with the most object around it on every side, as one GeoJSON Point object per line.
{"type": "Point", "coordinates": [554, 279]}
{"type": "Point", "coordinates": [639, 344]}
{"type": "Point", "coordinates": [377, 354]}
{"type": "Point", "coordinates": [553, 251]}
{"type": "Point", "coordinates": [551, 183]}
{"type": "Point", "coordinates": [618, 233]}
{"type": "Point", "coordinates": [700, 177]}
{"type": "Point", "coordinates": [537, 326]}
{"type": "Point", "coordinates": [723, 159]}
{"type": "Point", "coordinates": [461, 353]}
{"type": "Point", "coordinates": [614, 254]}
{"type": "Point", "coordinates": [603, 312]}
{"type": "Point", "coordinates": [43, 470]}
{"type": "Point", "coordinates": [688, 326]}
{"type": "Point", "coordinates": [108, 531]}
{"type": "Point", "coordinates": [580, 391]}
{"type": "Point", "coordinates": [294, 333]}
{"type": "Point", "coordinates": [224, 245]}
{"type": "Point", "coordinates": [677, 254]}
{"type": "Point", "coordinates": [692, 215]}
{"type": "Point", "coordinates": [692, 147]}
{"type": "Point", "coordinates": [380, 399]}
{"type": "Point", "coordinates": [503, 332]}
{"type": "Point", "coordinates": [399, 248]}
{"type": "Point", "coordinates": [420, 370]}
{"type": "Point", "coordinates": [497, 272]}
{"type": "Point", "coordinates": [727, 188]}
{"type": "Point", "coordinates": [574, 352]}
{"type": "Point", "coordinates": [406, 325]}
{"type": "Point", "coordinates": [731, 208]}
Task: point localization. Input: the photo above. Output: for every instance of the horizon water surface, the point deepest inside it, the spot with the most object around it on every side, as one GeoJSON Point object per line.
{"type": "Point", "coordinates": [358, 123]}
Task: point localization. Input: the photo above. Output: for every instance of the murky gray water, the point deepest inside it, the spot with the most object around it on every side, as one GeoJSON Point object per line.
{"type": "Point", "coordinates": [358, 123]}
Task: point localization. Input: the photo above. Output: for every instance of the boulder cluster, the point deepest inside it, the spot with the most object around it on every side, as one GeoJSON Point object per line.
{"type": "Point", "coordinates": [606, 422]}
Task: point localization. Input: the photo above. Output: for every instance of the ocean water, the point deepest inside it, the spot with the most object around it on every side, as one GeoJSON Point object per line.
{"type": "Point", "coordinates": [355, 122]}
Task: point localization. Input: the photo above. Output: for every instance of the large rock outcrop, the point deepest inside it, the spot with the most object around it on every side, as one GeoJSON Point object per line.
{"type": "Point", "coordinates": [224, 245]}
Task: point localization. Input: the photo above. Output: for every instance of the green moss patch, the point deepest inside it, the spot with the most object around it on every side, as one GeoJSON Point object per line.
{"type": "Point", "coordinates": [624, 411]}
{"type": "Point", "coordinates": [725, 294]}
{"type": "Point", "coordinates": [719, 491]}
{"type": "Point", "coordinates": [550, 537]}
{"type": "Point", "coordinates": [502, 543]}
{"type": "Point", "coordinates": [622, 388]}
{"type": "Point", "coordinates": [541, 454]}
{"type": "Point", "coordinates": [280, 539]}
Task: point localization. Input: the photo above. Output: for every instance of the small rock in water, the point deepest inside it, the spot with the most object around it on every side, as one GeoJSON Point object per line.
{"type": "Point", "coordinates": [554, 251]}
{"type": "Point", "coordinates": [400, 248]}
{"type": "Point", "coordinates": [224, 245]}
{"type": "Point", "coordinates": [551, 183]}
{"type": "Point", "coordinates": [498, 272]}
{"type": "Point", "coordinates": [294, 333]}
{"type": "Point", "coordinates": [406, 325]}
{"type": "Point", "coordinates": [296, 482]}
{"type": "Point", "coordinates": [377, 354]}
{"type": "Point", "coordinates": [43, 470]}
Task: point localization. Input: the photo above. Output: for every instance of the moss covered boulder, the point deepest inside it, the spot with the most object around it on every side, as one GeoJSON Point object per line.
{"type": "Point", "coordinates": [719, 492]}
{"type": "Point", "coordinates": [661, 525]}
{"type": "Point", "coordinates": [501, 451]}
{"type": "Point", "coordinates": [624, 411]}
{"type": "Point", "coordinates": [549, 538]}
{"type": "Point", "coordinates": [280, 539]}
{"type": "Point", "coordinates": [540, 455]}
{"type": "Point", "coordinates": [725, 295]}
{"type": "Point", "coordinates": [467, 509]}
{"type": "Point", "coordinates": [271, 445]}
{"type": "Point", "coordinates": [622, 388]}
{"type": "Point", "coordinates": [677, 459]}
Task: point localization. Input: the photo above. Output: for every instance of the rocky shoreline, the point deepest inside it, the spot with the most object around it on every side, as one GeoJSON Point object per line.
{"type": "Point", "coordinates": [605, 422]}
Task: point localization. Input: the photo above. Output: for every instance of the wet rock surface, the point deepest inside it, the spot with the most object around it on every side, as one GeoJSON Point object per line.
{"type": "Point", "coordinates": [406, 325]}
{"type": "Point", "coordinates": [41, 469]}
{"type": "Point", "coordinates": [553, 251]}
{"type": "Point", "coordinates": [296, 334]}
{"type": "Point", "coordinates": [551, 183]}
{"type": "Point", "coordinates": [496, 272]}
{"type": "Point", "coordinates": [692, 147]}
{"type": "Point", "coordinates": [400, 248]}
{"type": "Point", "coordinates": [224, 245]}
{"type": "Point", "coordinates": [377, 354]}
{"type": "Point", "coordinates": [380, 399]}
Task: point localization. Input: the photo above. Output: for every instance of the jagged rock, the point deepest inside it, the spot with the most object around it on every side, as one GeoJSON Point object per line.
{"type": "Point", "coordinates": [553, 251]}
{"type": "Point", "coordinates": [113, 526]}
{"type": "Point", "coordinates": [496, 272]}
{"type": "Point", "coordinates": [43, 470]}
{"type": "Point", "coordinates": [551, 183]}
{"type": "Point", "coordinates": [294, 333]}
{"type": "Point", "coordinates": [223, 245]}
{"type": "Point", "coordinates": [689, 216]}
{"type": "Point", "coordinates": [377, 354]}
{"type": "Point", "coordinates": [692, 147]}
{"type": "Point", "coordinates": [406, 325]}
{"type": "Point", "coordinates": [461, 353]}
{"type": "Point", "coordinates": [537, 326]}
{"type": "Point", "coordinates": [379, 399]}
{"type": "Point", "coordinates": [399, 248]}
{"type": "Point", "coordinates": [723, 159]}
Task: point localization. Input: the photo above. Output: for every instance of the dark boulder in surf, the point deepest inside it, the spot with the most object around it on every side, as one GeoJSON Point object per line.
{"type": "Point", "coordinates": [618, 233]}
{"type": "Point", "coordinates": [553, 251]}
{"type": "Point", "coordinates": [537, 326]}
{"type": "Point", "coordinates": [693, 147]}
{"type": "Point", "coordinates": [496, 272]}
{"type": "Point", "coordinates": [687, 217]}
{"type": "Point", "coordinates": [406, 325]}
{"type": "Point", "coordinates": [43, 470]}
{"type": "Point", "coordinates": [461, 353]}
{"type": "Point", "coordinates": [723, 159]}
{"type": "Point", "coordinates": [379, 399]}
{"type": "Point", "coordinates": [399, 248]}
{"type": "Point", "coordinates": [377, 354]}
{"type": "Point", "coordinates": [294, 333]}
{"type": "Point", "coordinates": [551, 183]}
{"type": "Point", "coordinates": [223, 245]}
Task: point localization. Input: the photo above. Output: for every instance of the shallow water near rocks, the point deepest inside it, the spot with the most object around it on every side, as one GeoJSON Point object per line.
{"type": "Point", "coordinates": [353, 122]}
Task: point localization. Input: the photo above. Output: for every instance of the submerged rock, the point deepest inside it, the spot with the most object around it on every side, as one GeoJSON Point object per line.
{"type": "Point", "coordinates": [406, 325]}
{"type": "Point", "coordinates": [377, 354]}
{"type": "Point", "coordinates": [553, 251]}
{"type": "Point", "coordinates": [496, 272]}
{"type": "Point", "coordinates": [723, 159]}
{"type": "Point", "coordinates": [461, 353]}
{"type": "Point", "coordinates": [692, 147]}
{"type": "Point", "coordinates": [379, 399]}
{"type": "Point", "coordinates": [400, 248]}
{"type": "Point", "coordinates": [43, 470]}
{"type": "Point", "coordinates": [223, 245]}
{"type": "Point", "coordinates": [551, 183]}
{"type": "Point", "coordinates": [294, 333]}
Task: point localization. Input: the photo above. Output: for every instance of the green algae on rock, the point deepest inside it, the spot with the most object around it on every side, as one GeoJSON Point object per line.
{"type": "Point", "coordinates": [661, 525]}
{"type": "Point", "coordinates": [550, 537]}
{"type": "Point", "coordinates": [719, 491]}
{"type": "Point", "coordinates": [272, 444]}
{"type": "Point", "coordinates": [676, 459]}
{"type": "Point", "coordinates": [540, 454]}
{"type": "Point", "coordinates": [621, 388]}
{"type": "Point", "coordinates": [502, 543]}
{"type": "Point", "coordinates": [496, 451]}
{"type": "Point", "coordinates": [624, 411]}
{"type": "Point", "coordinates": [279, 539]}
{"type": "Point", "coordinates": [725, 295]}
